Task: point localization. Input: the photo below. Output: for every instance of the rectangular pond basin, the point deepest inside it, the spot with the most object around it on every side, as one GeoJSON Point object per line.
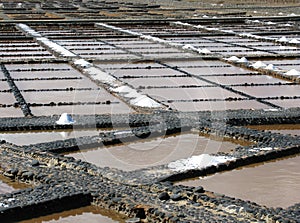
{"type": "Point", "coordinates": [162, 82]}
{"type": "Point", "coordinates": [91, 214]}
{"type": "Point", "coordinates": [11, 112]}
{"type": "Point", "coordinates": [33, 137]}
{"type": "Point", "coordinates": [274, 184]}
{"type": "Point", "coordinates": [242, 79]}
{"type": "Point", "coordinates": [156, 151]}
{"type": "Point", "coordinates": [210, 71]}
{"type": "Point", "coordinates": [7, 98]}
{"type": "Point", "coordinates": [55, 84]}
{"type": "Point", "coordinates": [191, 93]}
{"type": "Point", "coordinates": [286, 103]}
{"type": "Point", "coordinates": [270, 91]}
{"type": "Point", "coordinates": [216, 105]}
{"type": "Point", "coordinates": [116, 108]}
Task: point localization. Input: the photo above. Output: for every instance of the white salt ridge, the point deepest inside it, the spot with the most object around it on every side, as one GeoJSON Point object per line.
{"type": "Point", "coordinates": [242, 60]}
{"type": "Point", "coordinates": [99, 75]}
{"type": "Point", "coordinates": [283, 39]}
{"type": "Point", "coordinates": [227, 31]}
{"type": "Point", "coordinates": [29, 30]}
{"type": "Point", "coordinates": [65, 119]}
{"type": "Point", "coordinates": [198, 162]}
{"type": "Point", "coordinates": [270, 67]}
{"type": "Point", "coordinates": [233, 58]}
{"type": "Point", "coordinates": [144, 101]}
{"type": "Point", "coordinates": [294, 41]}
{"type": "Point", "coordinates": [82, 63]}
{"type": "Point", "coordinates": [4, 205]}
{"type": "Point", "coordinates": [57, 48]}
{"type": "Point", "coordinates": [189, 47]}
{"type": "Point", "coordinates": [261, 149]}
{"type": "Point", "coordinates": [126, 91]}
{"type": "Point", "coordinates": [270, 23]}
{"type": "Point", "coordinates": [123, 132]}
{"type": "Point", "coordinates": [293, 72]}
{"type": "Point", "coordinates": [132, 94]}
{"type": "Point", "coordinates": [121, 89]}
{"type": "Point", "coordinates": [271, 109]}
{"type": "Point", "coordinates": [212, 29]}
{"type": "Point", "coordinates": [205, 51]}
{"type": "Point", "coordinates": [52, 45]}
{"type": "Point", "coordinates": [259, 64]}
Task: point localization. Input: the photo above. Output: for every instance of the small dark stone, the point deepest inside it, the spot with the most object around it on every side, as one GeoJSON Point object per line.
{"type": "Point", "coordinates": [35, 163]}
{"type": "Point", "coordinates": [28, 175]}
{"type": "Point", "coordinates": [164, 196]}
{"type": "Point", "coordinates": [116, 199]}
{"type": "Point", "coordinates": [176, 197]}
{"type": "Point", "coordinates": [133, 220]}
{"type": "Point", "coordinates": [199, 189]}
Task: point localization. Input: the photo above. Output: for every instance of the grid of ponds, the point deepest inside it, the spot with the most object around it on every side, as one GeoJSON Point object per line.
{"type": "Point", "coordinates": [180, 79]}
{"type": "Point", "coordinates": [204, 84]}
{"type": "Point", "coordinates": [225, 45]}
{"type": "Point", "coordinates": [55, 88]}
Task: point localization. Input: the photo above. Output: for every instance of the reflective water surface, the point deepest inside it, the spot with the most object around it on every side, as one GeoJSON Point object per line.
{"type": "Point", "coordinates": [90, 214]}
{"type": "Point", "coordinates": [274, 184]}
{"type": "Point", "coordinates": [136, 155]}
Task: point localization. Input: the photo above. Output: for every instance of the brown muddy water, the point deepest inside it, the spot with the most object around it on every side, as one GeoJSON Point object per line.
{"type": "Point", "coordinates": [283, 129]}
{"type": "Point", "coordinates": [7, 185]}
{"type": "Point", "coordinates": [152, 152]}
{"type": "Point", "coordinates": [90, 214]}
{"type": "Point", "coordinates": [273, 184]}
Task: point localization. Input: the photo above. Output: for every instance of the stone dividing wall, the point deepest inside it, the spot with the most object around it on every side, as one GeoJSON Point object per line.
{"type": "Point", "coordinates": [232, 117]}
{"type": "Point", "coordinates": [18, 96]}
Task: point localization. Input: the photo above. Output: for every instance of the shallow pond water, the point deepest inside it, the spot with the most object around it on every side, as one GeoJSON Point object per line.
{"type": "Point", "coordinates": [286, 103]}
{"type": "Point", "coordinates": [90, 214]}
{"type": "Point", "coordinates": [151, 152]}
{"type": "Point", "coordinates": [274, 184]}
{"type": "Point", "coordinates": [33, 137]}
{"type": "Point", "coordinates": [216, 105]}
{"type": "Point", "coordinates": [191, 93]}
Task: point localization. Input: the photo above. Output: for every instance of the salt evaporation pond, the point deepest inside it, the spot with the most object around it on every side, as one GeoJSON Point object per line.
{"type": "Point", "coordinates": [90, 214]}
{"type": "Point", "coordinates": [34, 137]}
{"type": "Point", "coordinates": [274, 184]}
{"type": "Point", "coordinates": [136, 155]}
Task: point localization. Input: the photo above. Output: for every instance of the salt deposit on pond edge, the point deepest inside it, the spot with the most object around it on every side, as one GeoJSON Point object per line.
{"type": "Point", "coordinates": [198, 162]}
